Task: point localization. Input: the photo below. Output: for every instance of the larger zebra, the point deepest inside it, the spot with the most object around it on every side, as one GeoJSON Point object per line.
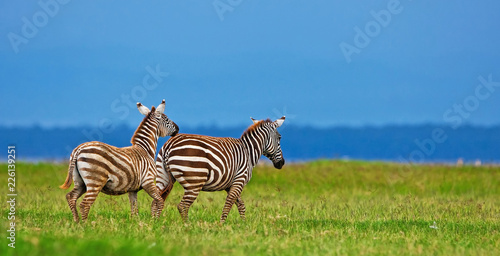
{"type": "Point", "coordinates": [96, 166]}
{"type": "Point", "coordinates": [203, 163]}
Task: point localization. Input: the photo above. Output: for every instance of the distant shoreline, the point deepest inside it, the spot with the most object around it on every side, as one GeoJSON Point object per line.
{"type": "Point", "coordinates": [401, 144]}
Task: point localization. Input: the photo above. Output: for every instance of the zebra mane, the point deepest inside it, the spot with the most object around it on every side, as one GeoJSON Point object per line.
{"type": "Point", "coordinates": [254, 127]}
{"type": "Point", "coordinates": [146, 118]}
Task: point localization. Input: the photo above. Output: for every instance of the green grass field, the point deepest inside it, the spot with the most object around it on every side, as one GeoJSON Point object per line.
{"type": "Point", "coordinates": [317, 208]}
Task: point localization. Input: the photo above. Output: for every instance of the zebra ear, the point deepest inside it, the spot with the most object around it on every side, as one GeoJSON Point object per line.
{"type": "Point", "coordinates": [254, 121]}
{"type": "Point", "coordinates": [161, 107]}
{"type": "Point", "coordinates": [143, 109]}
{"type": "Point", "coordinates": [279, 122]}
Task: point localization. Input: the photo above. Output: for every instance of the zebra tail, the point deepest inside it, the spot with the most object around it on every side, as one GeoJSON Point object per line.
{"type": "Point", "coordinates": [69, 178]}
{"type": "Point", "coordinates": [170, 185]}
{"type": "Point", "coordinates": [165, 174]}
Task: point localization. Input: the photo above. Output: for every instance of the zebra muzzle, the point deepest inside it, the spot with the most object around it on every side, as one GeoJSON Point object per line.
{"type": "Point", "coordinates": [279, 164]}
{"type": "Point", "coordinates": [176, 130]}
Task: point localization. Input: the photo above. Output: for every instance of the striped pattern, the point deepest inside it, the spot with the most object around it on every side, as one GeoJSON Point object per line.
{"type": "Point", "coordinates": [98, 167]}
{"type": "Point", "coordinates": [203, 163]}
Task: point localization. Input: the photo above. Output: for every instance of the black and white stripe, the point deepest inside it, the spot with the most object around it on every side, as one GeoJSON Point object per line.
{"type": "Point", "coordinates": [98, 167]}
{"type": "Point", "coordinates": [204, 163]}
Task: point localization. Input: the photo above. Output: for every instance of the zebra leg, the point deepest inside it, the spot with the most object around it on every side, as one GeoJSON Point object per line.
{"type": "Point", "coordinates": [72, 196]}
{"type": "Point", "coordinates": [132, 197]}
{"type": "Point", "coordinates": [158, 203]}
{"type": "Point", "coordinates": [89, 198]}
{"type": "Point", "coordinates": [154, 208]}
{"type": "Point", "coordinates": [241, 207]}
{"type": "Point", "coordinates": [164, 194]}
{"type": "Point", "coordinates": [187, 200]}
{"type": "Point", "coordinates": [79, 189]}
{"type": "Point", "coordinates": [232, 194]}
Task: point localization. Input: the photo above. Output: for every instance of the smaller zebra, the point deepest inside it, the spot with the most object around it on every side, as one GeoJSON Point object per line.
{"type": "Point", "coordinates": [98, 167]}
{"type": "Point", "coordinates": [204, 163]}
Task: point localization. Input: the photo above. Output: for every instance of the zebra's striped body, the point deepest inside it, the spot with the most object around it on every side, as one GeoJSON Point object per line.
{"type": "Point", "coordinates": [98, 167]}
{"type": "Point", "coordinates": [204, 163]}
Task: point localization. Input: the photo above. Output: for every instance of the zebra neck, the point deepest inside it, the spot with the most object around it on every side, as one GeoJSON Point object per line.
{"type": "Point", "coordinates": [146, 136]}
{"type": "Point", "coordinates": [254, 142]}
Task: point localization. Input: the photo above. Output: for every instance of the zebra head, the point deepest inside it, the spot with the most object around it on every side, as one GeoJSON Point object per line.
{"type": "Point", "coordinates": [166, 126]}
{"type": "Point", "coordinates": [272, 148]}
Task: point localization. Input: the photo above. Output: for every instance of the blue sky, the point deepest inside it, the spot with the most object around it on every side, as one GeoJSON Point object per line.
{"type": "Point", "coordinates": [88, 62]}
